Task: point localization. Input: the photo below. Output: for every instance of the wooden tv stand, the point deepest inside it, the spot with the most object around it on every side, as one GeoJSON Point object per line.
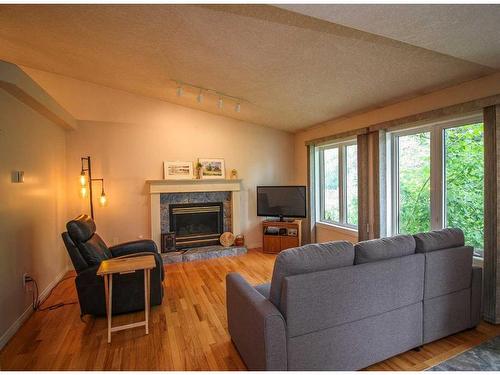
{"type": "Point", "coordinates": [289, 235]}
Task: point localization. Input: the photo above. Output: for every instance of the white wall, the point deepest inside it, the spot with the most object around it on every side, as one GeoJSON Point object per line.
{"type": "Point", "coordinates": [32, 214]}
{"type": "Point", "coordinates": [129, 136]}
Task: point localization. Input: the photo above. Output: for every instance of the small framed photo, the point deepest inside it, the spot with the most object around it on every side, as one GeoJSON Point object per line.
{"type": "Point", "coordinates": [212, 168]}
{"type": "Point", "coordinates": [178, 170]}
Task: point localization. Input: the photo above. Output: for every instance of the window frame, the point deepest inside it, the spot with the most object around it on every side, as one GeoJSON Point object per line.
{"type": "Point", "coordinates": [437, 168]}
{"type": "Point", "coordinates": [342, 173]}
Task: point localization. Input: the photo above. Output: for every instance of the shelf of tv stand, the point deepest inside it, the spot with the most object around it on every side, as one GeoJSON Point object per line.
{"type": "Point", "coordinates": [274, 243]}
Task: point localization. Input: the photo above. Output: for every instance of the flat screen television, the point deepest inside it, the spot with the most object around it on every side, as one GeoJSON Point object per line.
{"type": "Point", "coordinates": [281, 201]}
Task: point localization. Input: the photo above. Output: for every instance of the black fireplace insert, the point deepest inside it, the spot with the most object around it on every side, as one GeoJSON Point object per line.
{"type": "Point", "coordinates": [196, 224]}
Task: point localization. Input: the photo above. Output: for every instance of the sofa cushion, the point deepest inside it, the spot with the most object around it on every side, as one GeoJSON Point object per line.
{"type": "Point", "coordinates": [81, 228]}
{"type": "Point", "coordinates": [94, 251]}
{"type": "Point", "coordinates": [384, 248]}
{"type": "Point", "coordinates": [306, 259]}
{"type": "Point", "coordinates": [439, 239]}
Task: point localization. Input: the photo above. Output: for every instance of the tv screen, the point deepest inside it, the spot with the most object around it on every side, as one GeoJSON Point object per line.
{"type": "Point", "coordinates": [281, 201]}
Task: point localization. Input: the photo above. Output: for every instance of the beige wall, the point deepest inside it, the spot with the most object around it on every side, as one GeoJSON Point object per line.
{"type": "Point", "coordinates": [32, 214]}
{"type": "Point", "coordinates": [480, 88]}
{"type": "Point", "coordinates": [129, 136]}
{"type": "Point", "coordinates": [327, 232]}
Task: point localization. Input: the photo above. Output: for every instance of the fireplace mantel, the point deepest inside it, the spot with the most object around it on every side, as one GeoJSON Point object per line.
{"type": "Point", "coordinates": [157, 187]}
{"type": "Point", "coordinates": [186, 186]}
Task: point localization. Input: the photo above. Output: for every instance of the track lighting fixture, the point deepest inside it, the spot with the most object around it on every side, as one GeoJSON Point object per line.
{"type": "Point", "coordinates": [202, 91]}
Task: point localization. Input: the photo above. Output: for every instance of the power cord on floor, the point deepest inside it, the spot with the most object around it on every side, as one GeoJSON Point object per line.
{"type": "Point", "coordinates": [37, 303]}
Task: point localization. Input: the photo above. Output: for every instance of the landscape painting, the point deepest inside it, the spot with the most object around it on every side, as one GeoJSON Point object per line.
{"type": "Point", "coordinates": [212, 168]}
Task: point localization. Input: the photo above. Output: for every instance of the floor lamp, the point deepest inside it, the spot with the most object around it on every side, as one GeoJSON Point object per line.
{"type": "Point", "coordinates": [87, 170]}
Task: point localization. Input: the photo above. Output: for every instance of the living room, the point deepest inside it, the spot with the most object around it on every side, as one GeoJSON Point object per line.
{"type": "Point", "coordinates": [345, 169]}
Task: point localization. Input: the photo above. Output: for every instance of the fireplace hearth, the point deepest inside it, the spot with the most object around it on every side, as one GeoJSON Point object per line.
{"type": "Point", "coordinates": [196, 224]}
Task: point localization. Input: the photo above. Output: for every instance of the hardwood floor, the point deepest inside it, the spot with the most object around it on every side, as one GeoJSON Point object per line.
{"type": "Point", "coordinates": [188, 332]}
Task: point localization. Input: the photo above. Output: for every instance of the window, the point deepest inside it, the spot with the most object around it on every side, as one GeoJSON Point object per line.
{"type": "Point", "coordinates": [463, 182]}
{"type": "Point", "coordinates": [413, 192]}
{"type": "Point", "coordinates": [338, 184]}
{"type": "Point", "coordinates": [436, 177]}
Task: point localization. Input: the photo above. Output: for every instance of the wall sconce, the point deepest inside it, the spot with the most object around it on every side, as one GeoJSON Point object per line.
{"type": "Point", "coordinates": [84, 192]}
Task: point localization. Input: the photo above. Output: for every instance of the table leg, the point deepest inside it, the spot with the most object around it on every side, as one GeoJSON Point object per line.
{"type": "Point", "coordinates": [149, 295]}
{"type": "Point", "coordinates": [146, 299]}
{"type": "Point", "coordinates": [109, 305]}
{"type": "Point", "coordinates": [106, 295]}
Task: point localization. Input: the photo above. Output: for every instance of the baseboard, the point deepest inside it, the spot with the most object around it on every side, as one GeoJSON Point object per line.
{"type": "Point", "coordinates": [11, 331]}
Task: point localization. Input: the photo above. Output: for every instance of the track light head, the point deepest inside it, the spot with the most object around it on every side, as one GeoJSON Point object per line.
{"type": "Point", "coordinates": [180, 91]}
{"type": "Point", "coordinates": [237, 107]}
{"type": "Point", "coordinates": [200, 97]}
{"type": "Point", "coordinates": [220, 103]}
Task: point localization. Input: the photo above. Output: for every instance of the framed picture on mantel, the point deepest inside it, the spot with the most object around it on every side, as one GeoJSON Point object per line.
{"type": "Point", "coordinates": [178, 170]}
{"type": "Point", "coordinates": [212, 168]}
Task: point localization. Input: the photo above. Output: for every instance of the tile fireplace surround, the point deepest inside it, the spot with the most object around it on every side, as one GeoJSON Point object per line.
{"type": "Point", "coordinates": [159, 187]}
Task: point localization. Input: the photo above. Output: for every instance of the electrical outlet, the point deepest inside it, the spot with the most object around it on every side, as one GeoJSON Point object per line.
{"type": "Point", "coordinates": [26, 279]}
{"type": "Point", "coordinates": [140, 236]}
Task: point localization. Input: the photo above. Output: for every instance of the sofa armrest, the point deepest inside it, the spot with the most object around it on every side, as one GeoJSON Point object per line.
{"type": "Point", "coordinates": [256, 326]}
{"type": "Point", "coordinates": [132, 247]}
{"type": "Point", "coordinates": [476, 296]}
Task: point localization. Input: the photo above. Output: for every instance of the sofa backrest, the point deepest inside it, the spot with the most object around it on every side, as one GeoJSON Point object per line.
{"type": "Point", "coordinates": [78, 261]}
{"type": "Point", "coordinates": [439, 239]}
{"type": "Point", "coordinates": [447, 283]}
{"type": "Point", "coordinates": [383, 248]}
{"type": "Point", "coordinates": [448, 262]}
{"type": "Point", "coordinates": [320, 300]}
{"type": "Point", "coordinates": [306, 259]}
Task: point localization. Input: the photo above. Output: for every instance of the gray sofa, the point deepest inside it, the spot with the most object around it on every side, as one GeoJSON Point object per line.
{"type": "Point", "coordinates": [335, 306]}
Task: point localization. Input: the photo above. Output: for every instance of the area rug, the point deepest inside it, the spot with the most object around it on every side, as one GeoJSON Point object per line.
{"type": "Point", "coordinates": [484, 357]}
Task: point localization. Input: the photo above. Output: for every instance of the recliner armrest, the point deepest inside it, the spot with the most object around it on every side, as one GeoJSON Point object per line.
{"type": "Point", "coordinates": [256, 326]}
{"type": "Point", "coordinates": [89, 277]}
{"type": "Point", "coordinates": [132, 247]}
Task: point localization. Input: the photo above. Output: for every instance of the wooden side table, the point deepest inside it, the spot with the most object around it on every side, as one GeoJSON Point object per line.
{"type": "Point", "coordinates": [121, 266]}
{"type": "Point", "coordinates": [288, 234]}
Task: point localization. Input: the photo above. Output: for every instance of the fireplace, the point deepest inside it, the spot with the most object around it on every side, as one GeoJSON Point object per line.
{"type": "Point", "coordinates": [196, 224]}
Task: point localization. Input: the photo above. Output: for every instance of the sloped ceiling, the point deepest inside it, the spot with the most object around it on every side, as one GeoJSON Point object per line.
{"type": "Point", "coordinates": [292, 70]}
{"type": "Point", "coordinates": [466, 31]}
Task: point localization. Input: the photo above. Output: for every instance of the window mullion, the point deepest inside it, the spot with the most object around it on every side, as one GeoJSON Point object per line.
{"type": "Point", "coordinates": [342, 195]}
{"type": "Point", "coordinates": [322, 184]}
{"type": "Point", "coordinates": [395, 185]}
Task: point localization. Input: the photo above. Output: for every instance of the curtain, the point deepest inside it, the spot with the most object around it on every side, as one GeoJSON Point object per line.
{"type": "Point", "coordinates": [368, 186]}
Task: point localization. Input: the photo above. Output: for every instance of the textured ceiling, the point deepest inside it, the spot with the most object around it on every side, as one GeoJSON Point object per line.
{"type": "Point", "coordinates": [469, 32]}
{"type": "Point", "coordinates": [294, 70]}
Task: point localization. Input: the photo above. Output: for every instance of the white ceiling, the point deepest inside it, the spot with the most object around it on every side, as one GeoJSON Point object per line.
{"type": "Point", "coordinates": [469, 32]}
{"type": "Point", "coordinates": [293, 70]}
